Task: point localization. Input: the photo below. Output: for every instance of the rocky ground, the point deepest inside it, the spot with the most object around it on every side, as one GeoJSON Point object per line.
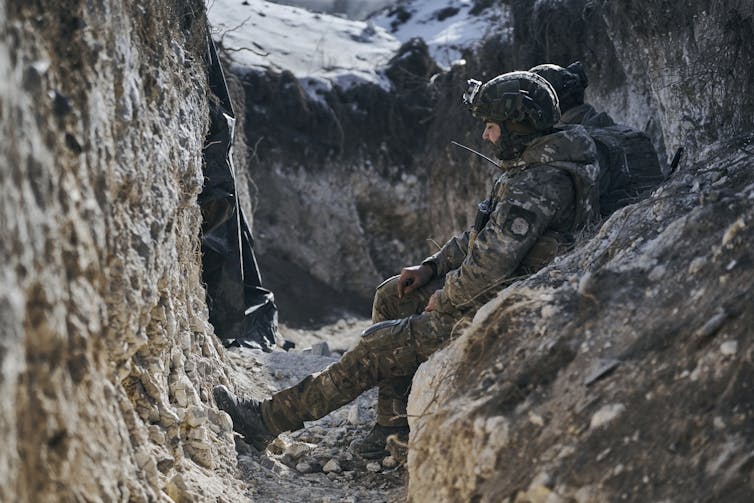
{"type": "Point", "coordinates": [313, 464]}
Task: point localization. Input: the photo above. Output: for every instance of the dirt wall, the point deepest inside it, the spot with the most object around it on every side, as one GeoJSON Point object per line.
{"type": "Point", "coordinates": [106, 355]}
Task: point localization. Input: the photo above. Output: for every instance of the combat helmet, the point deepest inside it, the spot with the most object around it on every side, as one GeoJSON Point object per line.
{"type": "Point", "coordinates": [520, 97]}
{"type": "Point", "coordinates": [569, 83]}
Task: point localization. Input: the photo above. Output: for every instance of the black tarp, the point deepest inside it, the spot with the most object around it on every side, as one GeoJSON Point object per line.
{"type": "Point", "coordinates": [242, 312]}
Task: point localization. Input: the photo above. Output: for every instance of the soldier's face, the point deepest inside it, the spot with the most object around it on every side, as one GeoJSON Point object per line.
{"type": "Point", "coordinates": [491, 132]}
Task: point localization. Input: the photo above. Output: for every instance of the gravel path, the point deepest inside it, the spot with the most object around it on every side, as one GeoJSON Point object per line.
{"type": "Point", "coordinates": [315, 463]}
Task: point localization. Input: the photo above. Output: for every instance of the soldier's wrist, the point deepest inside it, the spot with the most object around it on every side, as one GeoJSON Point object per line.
{"type": "Point", "coordinates": [432, 268]}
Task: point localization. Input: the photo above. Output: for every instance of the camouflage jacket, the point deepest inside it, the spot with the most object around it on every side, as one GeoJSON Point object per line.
{"type": "Point", "coordinates": [549, 188]}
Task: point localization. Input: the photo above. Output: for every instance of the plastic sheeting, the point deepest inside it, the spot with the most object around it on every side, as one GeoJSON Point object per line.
{"type": "Point", "coordinates": [242, 312]}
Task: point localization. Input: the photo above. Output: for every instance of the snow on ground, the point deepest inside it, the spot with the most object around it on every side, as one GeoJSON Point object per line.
{"type": "Point", "coordinates": [324, 50]}
{"type": "Point", "coordinates": [447, 26]}
{"type": "Point", "coordinates": [352, 9]}
{"type": "Point", "coordinates": [312, 46]}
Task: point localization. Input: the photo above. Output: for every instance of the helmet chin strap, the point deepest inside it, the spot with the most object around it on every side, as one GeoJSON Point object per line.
{"type": "Point", "coordinates": [511, 145]}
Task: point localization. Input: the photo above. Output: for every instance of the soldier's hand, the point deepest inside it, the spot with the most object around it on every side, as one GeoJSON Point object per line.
{"type": "Point", "coordinates": [412, 278]}
{"type": "Point", "coordinates": [431, 303]}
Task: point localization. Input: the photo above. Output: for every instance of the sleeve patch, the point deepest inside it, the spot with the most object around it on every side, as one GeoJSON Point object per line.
{"type": "Point", "coordinates": [519, 222]}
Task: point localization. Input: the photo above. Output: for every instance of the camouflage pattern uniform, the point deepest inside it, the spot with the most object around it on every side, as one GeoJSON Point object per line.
{"type": "Point", "coordinates": [540, 197]}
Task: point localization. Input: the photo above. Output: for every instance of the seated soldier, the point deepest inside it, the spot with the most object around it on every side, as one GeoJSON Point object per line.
{"type": "Point", "coordinates": [545, 192]}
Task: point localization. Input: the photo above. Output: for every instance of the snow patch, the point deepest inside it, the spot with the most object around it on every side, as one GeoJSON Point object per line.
{"type": "Point", "coordinates": [447, 26]}
{"type": "Point", "coordinates": [324, 50]}
{"type": "Point", "coordinates": [260, 35]}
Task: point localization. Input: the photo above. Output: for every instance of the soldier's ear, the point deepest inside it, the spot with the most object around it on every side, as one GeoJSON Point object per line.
{"type": "Point", "coordinates": [524, 126]}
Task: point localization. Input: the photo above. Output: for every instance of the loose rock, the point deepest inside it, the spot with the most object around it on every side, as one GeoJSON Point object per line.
{"type": "Point", "coordinates": [332, 466]}
{"type": "Point", "coordinates": [320, 349]}
{"type": "Point", "coordinates": [354, 415]}
{"type": "Point", "coordinates": [389, 462]}
{"type": "Point", "coordinates": [304, 467]}
{"type": "Point", "coordinates": [729, 348]}
{"type": "Point", "coordinates": [606, 414]}
{"type": "Point", "coordinates": [296, 450]}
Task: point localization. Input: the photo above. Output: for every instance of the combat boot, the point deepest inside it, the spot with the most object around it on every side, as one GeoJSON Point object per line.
{"type": "Point", "coordinates": [373, 446]}
{"type": "Point", "coordinates": [246, 416]}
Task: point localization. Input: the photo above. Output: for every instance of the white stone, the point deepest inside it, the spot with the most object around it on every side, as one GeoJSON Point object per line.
{"type": "Point", "coordinates": [195, 416]}
{"type": "Point", "coordinates": [142, 457]}
{"type": "Point", "coordinates": [177, 489]}
{"type": "Point", "coordinates": [584, 283]}
{"type": "Point", "coordinates": [695, 374]}
{"type": "Point", "coordinates": [389, 462]}
{"type": "Point", "coordinates": [606, 414]}
{"type": "Point", "coordinates": [657, 273]}
{"type": "Point", "coordinates": [297, 449]}
{"type": "Point", "coordinates": [201, 453]}
{"type": "Point", "coordinates": [602, 455]}
{"type": "Point", "coordinates": [179, 53]}
{"type": "Point", "coordinates": [219, 421]}
{"type": "Point", "coordinates": [729, 348]}
{"type": "Point", "coordinates": [304, 467]}
{"type": "Point", "coordinates": [156, 434]}
{"type": "Point", "coordinates": [497, 430]}
{"type": "Point", "coordinates": [41, 66]}
{"type": "Point", "coordinates": [478, 425]}
{"type": "Point", "coordinates": [332, 466]}
{"type": "Point", "coordinates": [733, 230]}
{"type": "Point", "coordinates": [199, 434]}
{"type": "Point", "coordinates": [542, 479]}
{"type": "Point", "coordinates": [354, 415]}
{"type": "Point", "coordinates": [183, 391]}
{"type": "Point", "coordinates": [548, 311]}
{"type": "Point", "coordinates": [566, 451]}
{"type": "Point", "coordinates": [373, 467]}
{"type": "Point", "coordinates": [536, 419]}
{"type": "Point", "coordinates": [696, 265]}
{"type": "Point", "coordinates": [320, 349]}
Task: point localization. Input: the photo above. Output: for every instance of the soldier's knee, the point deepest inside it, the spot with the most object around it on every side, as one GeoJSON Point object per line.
{"type": "Point", "coordinates": [375, 343]}
{"type": "Point", "coordinates": [379, 328]}
{"type": "Point", "coordinates": [391, 350]}
{"type": "Point", "coordinates": [384, 335]}
{"type": "Point", "coordinates": [385, 300]}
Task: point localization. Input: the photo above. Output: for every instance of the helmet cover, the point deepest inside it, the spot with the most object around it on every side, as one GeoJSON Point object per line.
{"type": "Point", "coordinates": [569, 83]}
{"type": "Point", "coordinates": [522, 97]}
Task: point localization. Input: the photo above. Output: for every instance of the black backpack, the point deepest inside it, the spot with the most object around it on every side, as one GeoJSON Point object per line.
{"type": "Point", "coordinates": [629, 168]}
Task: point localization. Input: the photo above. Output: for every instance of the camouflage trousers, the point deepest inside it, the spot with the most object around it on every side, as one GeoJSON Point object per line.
{"type": "Point", "coordinates": [387, 355]}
